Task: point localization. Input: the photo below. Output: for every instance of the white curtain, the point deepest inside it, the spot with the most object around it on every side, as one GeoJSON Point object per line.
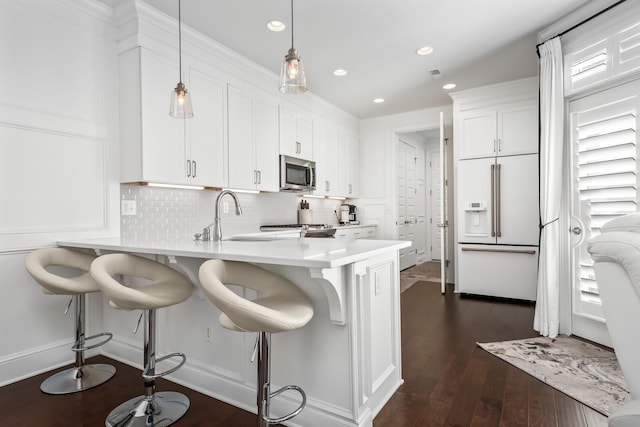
{"type": "Point", "coordinates": [547, 314]}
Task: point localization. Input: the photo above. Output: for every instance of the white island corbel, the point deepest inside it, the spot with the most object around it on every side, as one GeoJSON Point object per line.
{"type": "Point", "coordinates": [347, 358]}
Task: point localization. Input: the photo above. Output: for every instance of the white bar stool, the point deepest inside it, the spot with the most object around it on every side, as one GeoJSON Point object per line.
{"type": "Point", "coordinates": [80, 377]}
{"type": "Point", "coordinates": [281, 307]}
{"type": "Point", "coordinates": [162, 287]}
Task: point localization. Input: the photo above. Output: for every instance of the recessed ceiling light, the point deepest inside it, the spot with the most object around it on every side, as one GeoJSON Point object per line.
{"type": "Point", "coordinates": [449, 86]}
{"type": "Point", "coordinates": [424, 50]}
{"type": "Point", "coordinates": [378, 100]}
{"type": "Point", "coordinates": [276, 26]}
{"type": "Point", "coordinates": [340, 72]}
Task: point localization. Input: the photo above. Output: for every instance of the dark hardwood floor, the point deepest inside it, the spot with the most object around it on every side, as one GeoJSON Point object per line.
{"type": "Point", "coordinates": [449, 381]}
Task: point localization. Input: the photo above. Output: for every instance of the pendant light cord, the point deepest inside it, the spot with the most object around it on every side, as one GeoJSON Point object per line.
{"type": "Point", "coordinates": [180, 39]}
{"type": "Point", "coordinates": [291, 24]}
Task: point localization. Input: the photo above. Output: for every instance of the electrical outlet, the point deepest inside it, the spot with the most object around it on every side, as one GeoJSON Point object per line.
{"type": "Point", "coordinates": [377, 286]}
{"type": "Point", "coordinates": [208, 336]}
{"type": "Point", "coordinates": [225, 207]}
{"type": "Point", "coordinates": [128, 207]}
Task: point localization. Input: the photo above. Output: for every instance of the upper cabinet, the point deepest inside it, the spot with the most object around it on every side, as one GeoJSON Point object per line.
{"type": "Point", "coordinates": [353, 165]}
{"type": "Point", "coordinates": [296, 133]}
{"type": "Point", "coordinates": [253, 142]}
{"type": "Point", "coordinates": [158, 148]}
{"type": "Point", "coordinates": [507, 130]}
{"type": "Point", "coordinates": [325, 149]}
{"type": "Point", "coordinates": [205, 143]}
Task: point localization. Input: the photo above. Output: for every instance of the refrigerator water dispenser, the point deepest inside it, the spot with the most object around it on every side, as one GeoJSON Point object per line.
{"type": "Point", "coordinates": [476, 220]}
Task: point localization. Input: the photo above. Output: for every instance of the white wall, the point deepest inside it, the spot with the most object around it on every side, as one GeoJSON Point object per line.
{"type": "Point", "coordinates": [58, 173]}
{"type": "Point", "coordinates": [378, 140]}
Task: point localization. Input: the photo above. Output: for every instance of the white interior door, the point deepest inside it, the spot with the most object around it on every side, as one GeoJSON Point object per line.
{"type": "Point", "coordinates": [406, 191]}
{"type": "Point", "coordinates": [604, 182]}
{"type": "Point", "coordinates": [435, 204]}
{"type": "Point", "coordinates": [443, 224]}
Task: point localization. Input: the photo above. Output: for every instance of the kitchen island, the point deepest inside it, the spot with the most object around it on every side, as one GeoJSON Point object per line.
{"type": "Point", "coordinates": [347, 359]}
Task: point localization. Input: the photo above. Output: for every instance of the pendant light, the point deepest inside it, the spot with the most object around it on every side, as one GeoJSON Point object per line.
{"type": "Point", "coordinates": [180, 97]}
{"type": "Point", "coordinates": [292, 76]}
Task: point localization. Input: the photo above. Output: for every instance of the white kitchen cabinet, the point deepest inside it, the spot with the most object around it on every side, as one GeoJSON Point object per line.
{"type": "Point", "coordinates": [356, 232]}
{"type": "Point", "coordinates": [155, 147]}
{"type": "Point", "coordinates": [353, 165]}
{"type": "Point", "coordinates": [508, 130]}
{"type": "Point", "coordinates": [253, 142]}
{"type": "Point", "coordinates": [205, 143]}
{"type": "Point", "coordinates": [325, 149]}
{"type": "Point", "coordinates": [296, 133]}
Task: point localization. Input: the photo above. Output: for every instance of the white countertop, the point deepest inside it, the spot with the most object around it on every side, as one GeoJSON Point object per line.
{"type": "Point", "coordinates": [303, 252]}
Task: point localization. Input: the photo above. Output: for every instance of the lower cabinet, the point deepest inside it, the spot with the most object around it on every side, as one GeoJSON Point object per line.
{"type": "Point", "coordinates": [363, 232]}
{"type": "Point", "coordinates": [378, 330]}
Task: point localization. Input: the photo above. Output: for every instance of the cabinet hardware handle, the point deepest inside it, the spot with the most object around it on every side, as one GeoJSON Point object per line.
{"type": "Point", "coordinates": [259, 177]}
{"type": "Point", "coordinates": [499, 200]}
{"type": "Point", "coordinates": [493, 210]}
{"type": "Point", "coordinates": [499, 144]}
{"type": "Point", "coordinates": [255, 177]}
{"type": "Point", "coordinates": [189, 168]}
{"type": "Point", "coordinates": [509, 251]}
{"type": "Point", "coordinates": [195, 168]}
{"type": "Point", "coordinates": [350, 189]}
{"type": "Point", "coordinates": [298, 147]}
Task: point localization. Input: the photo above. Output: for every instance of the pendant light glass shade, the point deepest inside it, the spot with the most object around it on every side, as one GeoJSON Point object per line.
{"type": "Point", "coordinates": [292, 76]}
{"type": "Point", "coordinates": [181, 103]}
{"type": "Point", "coordinates": [180, 107]}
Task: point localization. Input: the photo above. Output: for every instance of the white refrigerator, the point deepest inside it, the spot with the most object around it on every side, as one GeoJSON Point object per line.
{"type": "Point", "coordinates": [497, 227]}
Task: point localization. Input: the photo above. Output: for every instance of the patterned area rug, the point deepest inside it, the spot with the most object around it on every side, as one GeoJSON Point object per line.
{"type": "Point", "coordinates": [580, 370]}
{"type": "Point", "coordinates": [426, 272]}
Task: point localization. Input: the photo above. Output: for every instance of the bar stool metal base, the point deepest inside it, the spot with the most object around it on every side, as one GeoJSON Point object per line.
{"type": "Point", "coordinates": [77, 379]}
{"type": "Point", "coordinates": [163, 409]}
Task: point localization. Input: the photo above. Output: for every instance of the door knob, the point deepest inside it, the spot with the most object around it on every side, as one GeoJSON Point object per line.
{"type": "Point", "coordinates": [576, 230]}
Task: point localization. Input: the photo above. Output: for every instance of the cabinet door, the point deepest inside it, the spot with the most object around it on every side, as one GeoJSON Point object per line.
{"type": "Point", "coordinates": [242, 171]}
{"type": "Point", "coordinates": [304, 136]}
{"type": "Point", "coordinates": [518, 130]}
{"type": "Point", "coordinates": [518, 196]}
{"type": "Point", "coordinates": [325, 147]}
{"type": "Point", "coordinates": [266, 146]}
{"type": "Point", "coordinates": [206, 143]}
{"type": "Point", "coordinates": [296, 134]}
{"type": "Point", "coordinates": [162, 136]}
{"type": "Point", "coordinates": [478, 134]}
{"type": "Point", "coordinates": [353, 165]}
{"type": "Point", "coordinates": [287, 132]}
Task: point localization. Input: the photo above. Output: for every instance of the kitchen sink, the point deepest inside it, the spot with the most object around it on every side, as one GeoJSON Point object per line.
{"type": "Point", "coordinates": [250, 239]}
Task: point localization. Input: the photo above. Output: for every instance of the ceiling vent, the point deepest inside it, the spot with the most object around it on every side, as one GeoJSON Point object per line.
{"type": "Point", "coordinates": [435, 74]}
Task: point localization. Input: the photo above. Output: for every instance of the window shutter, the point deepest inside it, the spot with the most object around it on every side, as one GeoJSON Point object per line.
{"type": "Point", "coordinates": [606, 168]}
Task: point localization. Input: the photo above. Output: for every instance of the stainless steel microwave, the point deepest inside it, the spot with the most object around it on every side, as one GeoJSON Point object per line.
{"type": "Point", "coordinates": [297, 174]}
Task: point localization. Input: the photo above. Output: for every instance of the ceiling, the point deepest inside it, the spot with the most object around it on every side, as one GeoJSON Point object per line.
{"type": "Point", "coordinates": [475, 43]}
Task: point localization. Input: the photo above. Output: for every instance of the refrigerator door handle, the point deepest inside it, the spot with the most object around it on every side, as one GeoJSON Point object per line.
{"type": "Point", "coordinates": [493, 210]}
{"type": "Point", "coordinates": [498, 207]}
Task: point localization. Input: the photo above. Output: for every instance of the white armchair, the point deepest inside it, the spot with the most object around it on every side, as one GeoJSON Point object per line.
{"type": "Point", "coordinates": [616, 255]}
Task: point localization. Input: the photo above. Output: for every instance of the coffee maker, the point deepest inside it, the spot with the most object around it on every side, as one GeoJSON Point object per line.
{"type": "Point", "coordinates": [353, 214]}
{"type": "Point", "coordinates": [347, 214]}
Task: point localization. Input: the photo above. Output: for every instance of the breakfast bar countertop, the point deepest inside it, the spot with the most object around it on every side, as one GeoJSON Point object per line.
{"type": "Point", "coordinates": [302, 252]}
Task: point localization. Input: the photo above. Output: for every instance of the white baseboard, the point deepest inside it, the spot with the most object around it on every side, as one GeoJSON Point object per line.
{"type": "Point", "coordinates": [25, 364]}
{"type": "Point", "coordinates": [228, 388]}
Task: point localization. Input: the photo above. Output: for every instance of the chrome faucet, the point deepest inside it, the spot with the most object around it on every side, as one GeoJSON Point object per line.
{"type": "Point", "coordinates": [217, 229]}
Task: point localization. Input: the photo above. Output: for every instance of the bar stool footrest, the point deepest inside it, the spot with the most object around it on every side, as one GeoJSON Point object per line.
{"type": "Point", "coordinates": [276, 393]}
{"type": "Point", "coordinates": [147, 376]}
{"type": "Point", "coordinates": [76, 346]}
